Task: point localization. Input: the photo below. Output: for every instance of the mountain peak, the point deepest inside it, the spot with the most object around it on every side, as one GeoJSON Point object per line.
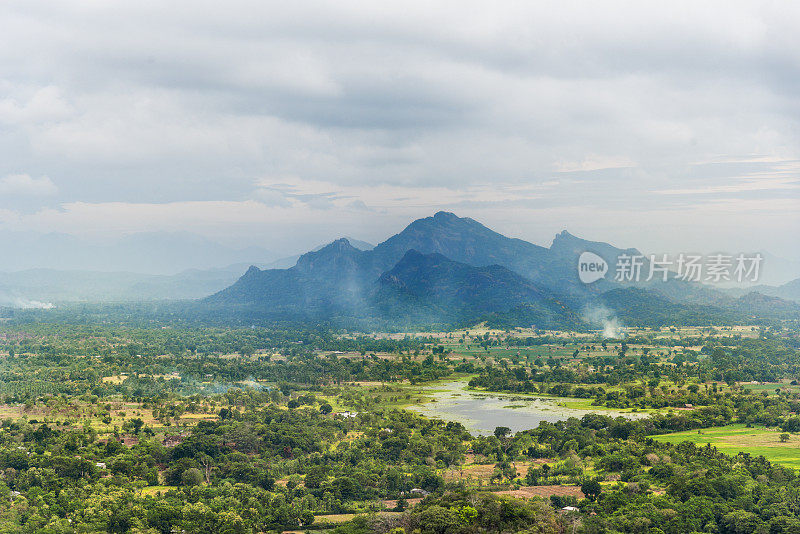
{"type": "Point", "coordinates": [342, 242]}
{"type": "Point", "coordinates": [338, 254]}
{"type": "Point", "coordinates": [564, 237]}
{"type": "Point", "coordinates": [336, 247]}
{"type": "Point", "coordinates": [445, 216]}
{"type": "Point", "coordinates": [444, 219]}
{"type": "Point", "coordinates": [359, 244]}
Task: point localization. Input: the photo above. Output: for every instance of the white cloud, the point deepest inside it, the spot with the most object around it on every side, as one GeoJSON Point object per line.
{"type": "Point", "coordinates": [43, 105]}
{"type": "Point", "coordinates": [24, 184]}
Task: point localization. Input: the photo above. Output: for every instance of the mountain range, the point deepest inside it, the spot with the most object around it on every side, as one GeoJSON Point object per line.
{"type": "Point", "coordinates": [447, 269]}
{"type": "Point", "coordinates": [137, 268]}
{"type": "Point", "coordinates": [789, 290]}
{"type": "Point", "coordinates": [439, 270]}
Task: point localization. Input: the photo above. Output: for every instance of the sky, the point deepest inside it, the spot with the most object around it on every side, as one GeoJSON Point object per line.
{"type": "Point", "coordinates": [666, 126]}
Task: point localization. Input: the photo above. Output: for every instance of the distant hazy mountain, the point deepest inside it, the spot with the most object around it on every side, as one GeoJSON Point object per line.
{"type": "Point", "coordinates": [777, 271]}
{"type": "Point", "coordinates": [420, 289]}
{"type": "Point", "coordinates": [756, 305]}
{"type": "Point", "coordinates": [33, 287]}
{"type": "Point", "coordinates": [452, 269]}
{"type": "Point", "coordinates": [149, 266]}
{"type": "Point", "coordinates": [332, 279]}
{"type": "Point", "coordinates": [289, 261]}
{"type": "Point", "coordinates": [149, 253]}
{"type": "Point", "coordinates": [439, 269]}
{"type": "Point", "coordinates": [789, 290]}
{"type": "Point", "coordinates": [560, 270]}
{"type": "Point", "coordinates": [643, 307]}
{"type": "Point", "coordinates": [338, 275]}
{"type": "Point", "coordinates": [357, 243]}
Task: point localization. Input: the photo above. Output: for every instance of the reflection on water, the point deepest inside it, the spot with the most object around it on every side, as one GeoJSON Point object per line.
{"type": "Point", "coordinates": [483, 412]}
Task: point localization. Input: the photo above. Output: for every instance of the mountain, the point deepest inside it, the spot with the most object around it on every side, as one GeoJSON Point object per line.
{"type": "Point", "coordinates": [788, 291]}
{"type": "Point", "coordinates": [777, 271]}
{"type": "Point", "coordinates": [567, 248]}
{"type": "Point", "coordinates": [461, 239]}
{"type": "Point", "coordinates": [337, 278]}
{"type": "Point", "coordinates": [426, 288]}
{"type": "Point", "coordinates": [330, 280]}
{"type": "Point", "coordinates": [420, 289]}
{"type": "Point", "coordinates": [465, 240]}
{"type": "Point", "coordinates": [562, 259]}
{"type": "Point", "coordinates": [643, 307]}
{"type": "Point", "coordinates": [359, 244]}
{"type": "Point", "coordinates": [439, 268]}
{"type": "Point", "coordinates": [289, 261]}
{"type": "Point", "coordinates": [755, 305]}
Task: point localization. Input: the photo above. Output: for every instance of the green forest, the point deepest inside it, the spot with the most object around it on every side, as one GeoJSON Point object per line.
{"type": "Point", "coordinates": [160, 428]}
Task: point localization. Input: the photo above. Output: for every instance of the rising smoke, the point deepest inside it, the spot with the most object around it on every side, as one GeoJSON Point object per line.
{"type": "Point", "coordinates": [23, 303]}
{"type": "Point", "coordinates": [602, 317]}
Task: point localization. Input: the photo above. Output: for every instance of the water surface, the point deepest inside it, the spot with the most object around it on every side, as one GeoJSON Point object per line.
{"type": "Point", "coordinates": [483, 412]}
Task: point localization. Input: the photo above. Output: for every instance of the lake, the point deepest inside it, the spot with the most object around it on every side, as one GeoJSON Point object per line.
{"type": "Point", "coordinates": [482, 412]}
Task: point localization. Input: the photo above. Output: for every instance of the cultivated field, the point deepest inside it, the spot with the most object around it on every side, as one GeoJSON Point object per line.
{"type": "Point", "coordinates": [732, 439]}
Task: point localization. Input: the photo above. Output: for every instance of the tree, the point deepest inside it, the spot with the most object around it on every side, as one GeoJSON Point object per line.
{"type": "Point", "coordinates": [192, 477]}
{"type": "Point", "coordinates": [326, 409]}
{"type": "Point", "coordinates": [784, 437]}
{"type": "Point", "coordinates": [592, 489]}
{"type": "Point", "coordinates": [439, 520]}
{"type": "Point", "coordinates": [137, 425]}
{"type": "Point", "coordinates": [502, 432]}
{"type": "Point", "coordinates": [315, 477]}
{"type": "Point", "coordinates": [740, 522]}
{"type": "Point", "coordinates": [402, 504]}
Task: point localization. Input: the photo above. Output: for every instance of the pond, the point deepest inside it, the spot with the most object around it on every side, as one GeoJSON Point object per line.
{"type": "Point", "coordinates": [482, 412]}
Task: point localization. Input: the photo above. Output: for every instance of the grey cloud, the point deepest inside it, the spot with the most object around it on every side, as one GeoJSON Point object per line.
{"type": "Point", "coordinates": [168, 103]}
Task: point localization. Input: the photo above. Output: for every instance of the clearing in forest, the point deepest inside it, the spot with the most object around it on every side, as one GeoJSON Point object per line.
{"type": "Point", "coordinates": [732, 439]}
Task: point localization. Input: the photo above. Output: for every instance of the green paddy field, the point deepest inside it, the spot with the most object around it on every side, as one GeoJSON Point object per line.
{"type": "Point", "coordinates": [731, 439]}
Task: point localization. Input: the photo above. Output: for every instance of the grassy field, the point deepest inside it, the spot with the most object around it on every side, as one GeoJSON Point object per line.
{"type": "Point", "coordinates": [731, 439]}
{"type": "Point", "coordinates": [770, 387]}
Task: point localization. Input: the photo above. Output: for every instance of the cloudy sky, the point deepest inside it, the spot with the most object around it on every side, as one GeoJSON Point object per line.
{"type": "Point", "coordinates": [669, 126]}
